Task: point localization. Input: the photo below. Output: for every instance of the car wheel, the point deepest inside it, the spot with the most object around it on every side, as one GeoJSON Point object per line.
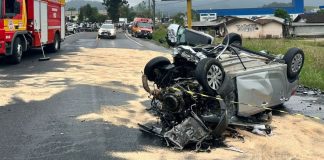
{"type": "Point", "coordinates": [17, 51]}
{"type": "Point", "coordinates": [217, 119]}
{"type": "Point", "coordinates": [233, 38]}
{"type": "Point", "coordinates": [154, 64]}
{"type": "Point", "coordinates": [210, 74]}
{"type": "Point", "coordinates": [56, 44]}
{"type": "Point", "coordinates": [217, 131]}
{"type": "Point", "coordinates": [74, 31]}
{"type": "Point", "coordinates": [294, 58]}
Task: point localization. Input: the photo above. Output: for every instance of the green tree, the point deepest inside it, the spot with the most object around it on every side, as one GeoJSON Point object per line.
{"type": "Point", "coordinates": [281, 13]}
{"type": "Point", "coordinates": [113, 8]}
{"type": "Point", "coordinates": [101, 18]}
{"type": "Point", "coordinates": [195, 15]}
{"type": "Point", "coordinates": [321, 11]}
{"type": "Point", "coordinates": [71, 9]}
{"type": "Point", "coordinates": [88, 13]}
{"type": "Point", "coordinates": [179, 18]}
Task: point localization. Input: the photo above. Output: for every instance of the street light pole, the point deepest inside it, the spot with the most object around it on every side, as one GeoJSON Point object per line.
{"type": "Point", "coordinates": [149, 7]}
{"type": "Point", "coordinates": [153, 14]}
{"type": "Point", "coordinates": [189, 16]}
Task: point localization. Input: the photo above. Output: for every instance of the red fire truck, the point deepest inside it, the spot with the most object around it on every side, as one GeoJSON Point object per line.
{"type": "Point", "coordinates": [26, 24]}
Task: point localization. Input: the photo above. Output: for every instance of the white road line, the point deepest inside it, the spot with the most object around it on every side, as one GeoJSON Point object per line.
{"type": "Point", "coordinates": [134, 40]}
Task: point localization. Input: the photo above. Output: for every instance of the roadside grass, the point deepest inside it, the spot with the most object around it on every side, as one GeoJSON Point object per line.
{"type": "Point", "coordinates": [312, 74]}
{"type": "Point", "coordinates": [159, 35]}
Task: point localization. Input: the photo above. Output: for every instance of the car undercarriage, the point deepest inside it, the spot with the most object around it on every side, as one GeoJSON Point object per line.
{"type": "Point", "coordinates": [209, 87]}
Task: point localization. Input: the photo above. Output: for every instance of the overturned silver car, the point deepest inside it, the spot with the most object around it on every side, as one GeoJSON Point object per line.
{"type": "Point", "coordinates": [207, 87]}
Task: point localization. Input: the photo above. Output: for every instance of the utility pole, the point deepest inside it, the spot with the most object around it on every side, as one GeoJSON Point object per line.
{"type": "Point", "coordinates": [153, 14]}
{"type": "Point", "coordinates": [189, 16]}
{"type": "Point", "coordinates": [149, 7]}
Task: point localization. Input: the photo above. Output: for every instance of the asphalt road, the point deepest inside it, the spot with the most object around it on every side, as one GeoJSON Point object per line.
{"type": "Point", "coordinates": [48, 129]}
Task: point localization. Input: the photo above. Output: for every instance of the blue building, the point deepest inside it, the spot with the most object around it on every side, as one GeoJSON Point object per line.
{"type": "Point", "coordinates": [296, 8]}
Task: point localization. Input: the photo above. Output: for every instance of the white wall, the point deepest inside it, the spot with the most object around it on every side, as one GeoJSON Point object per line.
{"type": "Point", "coordinates": [272, 29]}
{"type": "Point", "coordinates": [309, 30]}
{"type": "Point", "coordinates": [246, 29]}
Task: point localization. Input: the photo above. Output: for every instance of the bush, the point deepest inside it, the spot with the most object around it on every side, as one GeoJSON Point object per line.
{"type": "Point", "coordinates": [159, 35]}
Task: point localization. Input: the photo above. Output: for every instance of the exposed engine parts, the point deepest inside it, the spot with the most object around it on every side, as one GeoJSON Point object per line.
{"type": "Point", "coordinates": [185, 118]}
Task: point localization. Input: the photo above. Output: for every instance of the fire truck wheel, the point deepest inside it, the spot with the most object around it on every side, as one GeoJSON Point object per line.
{"type": "Point", "coordinates": [17, 51]}
{"type": "Point", "coordinates": [54, 47]}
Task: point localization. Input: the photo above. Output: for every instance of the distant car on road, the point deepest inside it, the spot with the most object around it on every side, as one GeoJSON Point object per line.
{"type": "Point", "coordinates": [107, 31]}
{"type": "Point", "coordinates": [142, 27]}
{"type": "Point", "coordinates": [73, 28]}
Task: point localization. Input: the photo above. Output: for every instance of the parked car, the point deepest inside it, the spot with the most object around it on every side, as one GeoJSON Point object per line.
{"type": "Point", "coordinates": [107, 31]}
{"type": "Point", "coordinates": [207, 87]}
{"type": "Point", "coordinates": [73, 28]}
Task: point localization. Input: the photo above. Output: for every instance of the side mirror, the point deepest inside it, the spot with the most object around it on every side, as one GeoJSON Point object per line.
{"type": "Point", "coordinates": [17, 7]}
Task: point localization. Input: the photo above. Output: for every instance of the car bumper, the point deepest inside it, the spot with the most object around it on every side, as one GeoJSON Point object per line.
{"type": "Point", "coordinates": [144, 34]}
{"type": "Point", "coordinates": [106, 34]}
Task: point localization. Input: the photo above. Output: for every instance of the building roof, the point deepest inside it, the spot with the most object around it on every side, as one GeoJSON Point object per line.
{"type": "Point", "coordinates": [238, 20]}
{"type": "Point", "coordinates": [205, 24]}
{"type": "Point", "coordinates": [266, 21]}
{"type": "Point", "coordinates": [278, 19]}
{"type": "Point", "coordinates": [311, 18]}
{"type": "Point", "coordinates": [295, 24]}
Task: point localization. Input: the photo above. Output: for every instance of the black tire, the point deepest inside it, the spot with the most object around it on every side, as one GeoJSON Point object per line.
{"type": "Point", "coordinates": [234, 38]}
{"type": "Point", "coordinates": [214, 69]}
{"type": "Point", "coordinates": [55, 46]}
{"type": "Point", "coordinates": [294, 58]}
{"type": "Point", "coordinates": [154, 64]}
{"type": "Point", "coordinates": [17, 51]}
{"type": "Point", "coordinates": [222, 126]}
{"type": "Point", "coordinates": [218, 119]}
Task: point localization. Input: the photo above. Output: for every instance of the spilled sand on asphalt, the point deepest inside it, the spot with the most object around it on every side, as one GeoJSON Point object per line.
{"type": "Point", "coordinates": [120, 70]}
